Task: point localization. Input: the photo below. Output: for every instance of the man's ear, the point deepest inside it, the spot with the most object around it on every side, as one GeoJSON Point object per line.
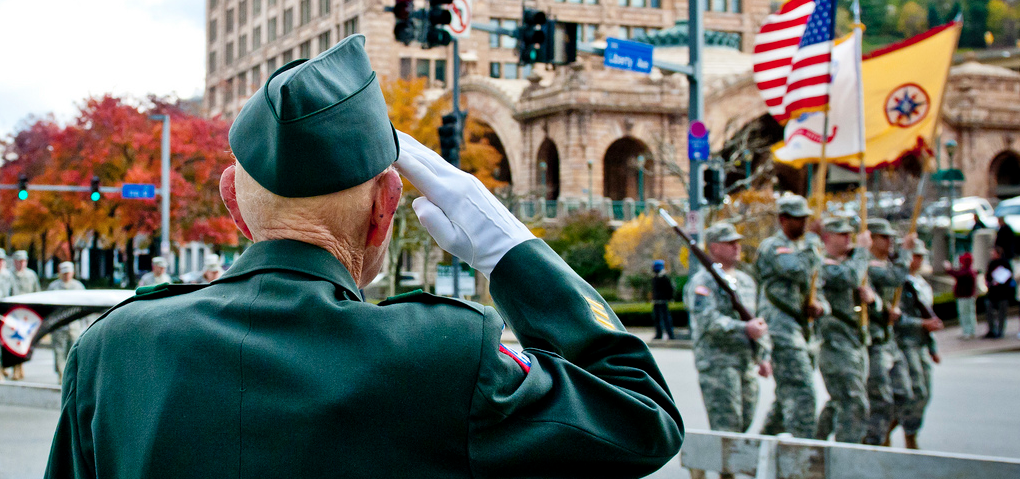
{"type": "Point", "coordinates": [384, 205]}
{"type": "Point", "coordinates": [229, 195]}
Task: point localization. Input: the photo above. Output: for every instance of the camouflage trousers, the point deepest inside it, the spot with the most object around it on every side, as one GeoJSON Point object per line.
{"type": "Point", "coordinates": [888, 384]}
{"type": "Point", "coordinates": [730, 394]}
{"type": "Point", "coordinates": [846, 413]}
{"type": "Point", "coordinates": [910, 410]}
{"type": "Point", "coordinates": [794, 409]}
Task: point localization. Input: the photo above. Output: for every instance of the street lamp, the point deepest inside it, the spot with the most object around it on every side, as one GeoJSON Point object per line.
{"type": "Point", "coordinates": [164, 247]}
{"type": "Point", "coordinates": [951, 152]}
{"type": "Point", "coordinates": [640, 164]}
{"type": "Point", "coordinates": [591, 195]}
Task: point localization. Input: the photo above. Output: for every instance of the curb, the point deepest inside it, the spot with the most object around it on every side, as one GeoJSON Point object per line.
{"type": "Point", "coordinates": [41, 396]}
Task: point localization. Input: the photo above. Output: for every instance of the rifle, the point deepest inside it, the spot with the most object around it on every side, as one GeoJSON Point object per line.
{"type": "Point", "coordinates": [705, 261]}
{"type": "Point", "coordinates": [926, 310]}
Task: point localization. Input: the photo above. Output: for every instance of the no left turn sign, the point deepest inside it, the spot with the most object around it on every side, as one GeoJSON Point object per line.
{"type": "Point", "coordinates": [460, 26]}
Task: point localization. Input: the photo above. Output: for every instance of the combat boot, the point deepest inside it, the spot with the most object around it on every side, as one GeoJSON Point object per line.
{"type": "Point", "coordinates": [911, 441]}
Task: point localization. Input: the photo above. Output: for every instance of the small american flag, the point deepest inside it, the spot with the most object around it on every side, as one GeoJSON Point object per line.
{"type": "Point", "coordinates": [792, 53]}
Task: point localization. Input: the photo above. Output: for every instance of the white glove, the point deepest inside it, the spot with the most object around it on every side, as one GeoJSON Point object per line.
{"type": "Point", "coordinates": [463, 217]}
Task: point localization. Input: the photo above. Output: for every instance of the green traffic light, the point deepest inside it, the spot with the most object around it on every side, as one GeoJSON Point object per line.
{"type": "Point", "coordinates": [95, 196]}
{"type": "Point", "coordinates": [23, 195]}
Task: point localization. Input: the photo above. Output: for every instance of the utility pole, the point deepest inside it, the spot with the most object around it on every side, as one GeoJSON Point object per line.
{"type": "Point", "coordinates": [164, 246]}
{"type": "Point", "coordinates": [455, 262]}
{"type": "Point", "coordinates": [696, 102]}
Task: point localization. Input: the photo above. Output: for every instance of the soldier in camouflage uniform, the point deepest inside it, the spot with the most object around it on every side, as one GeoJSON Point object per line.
{"type": "Point", "coordinates": [886, 273]}
{"type": "Point", "coordinates": [915, 340]}
{"type": "Point", "coordinates": [723, 352]}
{"type": "Point", "coordinates": [843, 358]}
{"type": "Point", "coordinates": [786, 263]}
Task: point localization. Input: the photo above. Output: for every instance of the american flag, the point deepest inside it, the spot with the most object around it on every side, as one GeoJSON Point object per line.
{"type": "Point", "coordinates": [792, 54]}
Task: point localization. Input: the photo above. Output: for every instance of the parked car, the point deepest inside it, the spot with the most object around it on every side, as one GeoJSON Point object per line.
{"type": "Point", "coordinates": [1010, 210]}
{"type": "Point", "coordinates": [964, 209]}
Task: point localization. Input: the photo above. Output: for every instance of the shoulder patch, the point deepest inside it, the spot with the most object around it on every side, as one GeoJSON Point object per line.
{"type": "Point", "coordinates": [702, 290]}
{"type": "Point", "coordinates": [523, 361]}
{"type": "Point", "coordinates": [419, 296]}
{"type": "Point", "coordinates": [783, 250]}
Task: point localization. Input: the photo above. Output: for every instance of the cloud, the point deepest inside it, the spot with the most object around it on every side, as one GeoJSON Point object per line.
{"type": "Point", "coordinates": [55, 53]}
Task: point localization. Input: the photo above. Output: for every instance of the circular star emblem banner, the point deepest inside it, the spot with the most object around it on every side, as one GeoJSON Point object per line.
{"type": "Point", "coordinates": [907, 105]}
{"type": "Point", "coordinates": [19, 327]}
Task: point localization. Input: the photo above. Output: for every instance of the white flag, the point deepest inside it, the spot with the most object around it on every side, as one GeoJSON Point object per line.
{"type": "Point", "coordinates": [802, 139]}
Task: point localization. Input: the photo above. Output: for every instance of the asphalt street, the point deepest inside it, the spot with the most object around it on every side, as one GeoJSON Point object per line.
{"type": "Point", "coordinates": [973, 411]}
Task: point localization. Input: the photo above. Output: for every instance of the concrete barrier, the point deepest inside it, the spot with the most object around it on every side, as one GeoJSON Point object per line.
{"type": "Point", "coordinates": [769, 457]}
{"type": "Point", "coordinates": [43, 396]}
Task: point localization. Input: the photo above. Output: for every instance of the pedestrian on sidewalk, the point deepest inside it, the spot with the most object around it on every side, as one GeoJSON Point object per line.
{"type": "Point", "coordinates": [965, 292]}
{"type": "Point", "coordinates": [662, 294]}
{"type": "Point", "coordinates": [1001, 289]}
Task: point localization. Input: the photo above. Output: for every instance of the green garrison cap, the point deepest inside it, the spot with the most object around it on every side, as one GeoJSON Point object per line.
{"type": "Point", "coordinates": [793, 205]}
{"type": "Point", "coordinates": [721, 232]}
{"type": "Point", "coordinates": [880, 226]}
{"type": "Point", "coordinates": [837, 226]}
{"type": "Point", "coordinates": [317, 126]}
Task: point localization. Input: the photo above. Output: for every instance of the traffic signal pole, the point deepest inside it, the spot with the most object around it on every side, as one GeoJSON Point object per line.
{"type": "Point", "coordinates": [455, 262]}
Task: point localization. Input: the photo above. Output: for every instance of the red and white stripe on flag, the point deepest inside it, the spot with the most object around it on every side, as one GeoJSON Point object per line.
{"type": "Point", "coordinates": [803, 31]}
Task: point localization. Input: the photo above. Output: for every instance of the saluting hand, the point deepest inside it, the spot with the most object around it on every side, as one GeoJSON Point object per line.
{"type": "Point", "coordinates": [756, 328]}
{"type": "Point", "coordinates": [463, 217]}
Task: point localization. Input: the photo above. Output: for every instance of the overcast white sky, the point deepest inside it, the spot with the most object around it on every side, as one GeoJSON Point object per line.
{"type": "Point", "coordinates": [56, 53]}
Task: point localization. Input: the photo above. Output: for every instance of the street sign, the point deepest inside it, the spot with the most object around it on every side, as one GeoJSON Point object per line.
{"type": "Point", "coordinates": [628, 55]}
{"type": "Point", "coordinates": [137, 191]}
{"type": "Point", "coordinates": [697, 142]}
{"type": "Point", "coordinates": [947, 175]}
{"type": "Point", "coordinates": [460, 25]}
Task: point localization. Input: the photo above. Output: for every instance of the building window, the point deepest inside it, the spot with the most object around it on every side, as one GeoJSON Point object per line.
{"type": "Point", "coordinates": [350, 27]}
{"type": "Point", "coordinates": [324, 41]}
{"type": "Point", "coordinates": [323, 8]}
{"type": "Point", "coordinates": [271, 65]}
{"type": "Point", "coordinates": [271, 29]}
{"type": "Point", "coordinates": [256, 7]}
{"type": "Point", "coordinates": [494, 37]}
{"type": "Point", "coordinates": [230, 20]}
{"type": "Point", "coordinates": [228, 92]}
{"type": "Point", "coordinates": [288, 56]}
{"type": "Point", "coordinates": [242, 85]}
{"type": "Point", "coordinates": [306, 49]}
{"type": "Point", "coordinates": [637, 32]}
{"type": "Point", "coordinates": [508, 41]}
{"type": "Point", "coordinates": [242, 46]}
{"type": "Point", "coordinates": [510, 71]}
{"type": "Point", "coordinates": [242, 13]}
{"type": "Point", "coordinates": [735, 6]}
{"type": "Point", "coordinates": [306, 11]}
{"type": "Point", "coordinates": [525, 71]}
{"type": "Point", "coordinates": [272, 3]}
{"type": "Point", "coordinates": [586, 32]}
{"type": "Point", "coordinates": [256, 76]}
{"type": "Point", "coordinates": [641, 3]}
{"type": "Point", "coordinates": [256, 37]}
{"type": "Point", "coordinates": [288, 21]}
{"type": "Point", "coordinates": [441, 70]}
{"type": "Point", "coordinates": [212, 31]}
{"type": "Point", "coordinates": [405, 68]}
{"type": "Point", "coordinates": [212, 62]}
{"type": "Point", "coordinates": [494, 69]}
{"type": "Point", "coordinates": [421, 68]}
{"type": "Point", "coordinates": [212, 4]}
{"type": "Point", "coordinates": [591, 2]}
{"type": "Point", "coordinates": [212, 97]}
{"type": "Point", "coordinates": [230, 53]}
{"type": "Point", "coordinates": [624, 32]}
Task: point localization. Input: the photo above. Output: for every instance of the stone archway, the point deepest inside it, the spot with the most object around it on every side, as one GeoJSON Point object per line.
{"type": "Point", "coordinates": [547, 170]}
{"type": "Point", "coordinates": [1005, 174]}
{"type": "Point", "coordinates": [495, 108]}
{"type": "Point", "coordinates": [621, 173]}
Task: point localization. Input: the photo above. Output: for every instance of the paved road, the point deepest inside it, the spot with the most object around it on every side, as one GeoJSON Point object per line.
{"type": "Point", "coordinates": [974, 410]}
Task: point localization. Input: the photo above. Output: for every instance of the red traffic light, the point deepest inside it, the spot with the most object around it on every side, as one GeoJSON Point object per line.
{"type": "Point", "coordinates": [403, 9]}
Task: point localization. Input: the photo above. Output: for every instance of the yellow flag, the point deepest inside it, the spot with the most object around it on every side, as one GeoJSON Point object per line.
{"type": "Point", "coordinates": [903, 90]}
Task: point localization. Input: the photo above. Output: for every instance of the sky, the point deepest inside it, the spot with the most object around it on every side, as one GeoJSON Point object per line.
{"type": "Point", "coordinates": [56, 53]}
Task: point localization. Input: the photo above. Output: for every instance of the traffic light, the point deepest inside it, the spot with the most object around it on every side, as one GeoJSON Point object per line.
{"type": "Point", "coordinates": [449, 139]}
{"type": "Point", "coordinates": [713, 186]}
{"type": "Point", "coordinates": [95, 189]}
{"type": "Point", "coordinates": [531, 36]}
{"type": "Point", "coordinates": [22, 187]}
{"type": "Point", "coordinates": [438, 17]}
{"type": "Point", "coordinates": [404, 31]}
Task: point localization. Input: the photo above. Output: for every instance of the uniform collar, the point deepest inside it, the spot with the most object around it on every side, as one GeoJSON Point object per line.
{"type": "Point", "coordinates": [290, 255]}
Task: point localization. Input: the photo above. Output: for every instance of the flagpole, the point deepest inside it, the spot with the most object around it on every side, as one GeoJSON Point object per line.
{"type": "Point", "coordinates": [862, 144]}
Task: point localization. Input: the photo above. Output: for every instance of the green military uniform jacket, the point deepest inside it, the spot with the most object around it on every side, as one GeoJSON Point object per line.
{"type": "Point", "coordinates": [278, 369]}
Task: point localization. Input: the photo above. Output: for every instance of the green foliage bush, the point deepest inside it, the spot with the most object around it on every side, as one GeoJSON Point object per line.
{"type": "Point", "coordinates": [581, 242]}
{"type": "Point", "coordinates": [640, 314]}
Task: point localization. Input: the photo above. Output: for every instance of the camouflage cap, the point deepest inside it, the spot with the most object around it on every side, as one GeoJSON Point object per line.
{"type": "Point", "coordinates": [919, 248]}
{"type": "Point", "coordinates": [837, 226]}
{"type": "Point", "coordinates": [879, 226]}
{"type": "Point", "coordinates": [793, 205]}
{"type": "Point", "coordinates": [3, 253]}
{"type": "Point", "coordinates": [721, 232]}
{"type": "Point", "coordinates": [158, 261]}
{"type": "Point", "coordinates": [20, 254]}
{"type": "Point", "coordinates": [66, 267]}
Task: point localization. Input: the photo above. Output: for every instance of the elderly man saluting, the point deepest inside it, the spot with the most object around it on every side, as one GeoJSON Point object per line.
{"type": "Point", "coordinates": [280, 369]}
